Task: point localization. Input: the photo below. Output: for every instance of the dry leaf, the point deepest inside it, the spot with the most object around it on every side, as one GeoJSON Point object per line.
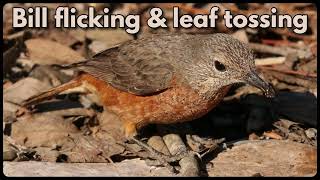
{"type": "Point", "coordinates": [43, 130]}
{"type": "Point", "coordinates": [24, 89]}
{"type": "Point", "coordinates": [42, 51]}
{"type": "Point", "coordinates": [105, 39]}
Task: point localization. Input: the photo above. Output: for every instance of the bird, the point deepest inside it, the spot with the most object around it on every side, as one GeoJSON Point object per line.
{"type": "Point", "coordinates": [163, 78]}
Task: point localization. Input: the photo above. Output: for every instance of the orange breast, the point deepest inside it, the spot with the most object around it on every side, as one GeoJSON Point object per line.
{"type": "Point", "coordinates": [176, 104]}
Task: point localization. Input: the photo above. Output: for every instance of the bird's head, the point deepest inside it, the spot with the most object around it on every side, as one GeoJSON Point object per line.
{"type": "Point", "coordinates": [230, 61]}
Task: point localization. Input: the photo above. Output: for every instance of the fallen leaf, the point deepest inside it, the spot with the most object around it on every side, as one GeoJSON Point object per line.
{"type": "Point", "coordinates": [39, 130]}
{"type": "Point", "coordinates": [241, 35]}
{"type": "Point", "coordinates": [24, 89]}
{"type": "Point", "coordinates": [109, 125]}
{"type": "Point", "coordinates": [105, 39]}
{"type": "Point", "coordinates": [85, 149]}
{"type": "Point", "coordinates": [43, 51]}
{"type": "Point", "coordinates": [8, 153]}
{"type": "Point", "coordinates": [47, 154]}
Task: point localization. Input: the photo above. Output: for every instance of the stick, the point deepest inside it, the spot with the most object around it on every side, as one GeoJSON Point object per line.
{"type": "Point", "coordinates": [284, 51]}
{"type": "Point", "coordinates": [269, 61]}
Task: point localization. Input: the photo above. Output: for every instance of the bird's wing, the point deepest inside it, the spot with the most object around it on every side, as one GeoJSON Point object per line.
{"type": "Point", "coordinates": [128, 72]}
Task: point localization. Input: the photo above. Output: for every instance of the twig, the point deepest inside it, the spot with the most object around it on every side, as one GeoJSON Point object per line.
{"type": "Point", "coordinates": [286, 32]}
{"type": "Point", "coordinates": [284, 51]}
{"type": "Point", "coordinates": [278, 42]}
{"type": "Point", "coordinates": [213, 147]}
{"type": "Point", "coordinates": [301, 73]}
{"type": "Point", "coordinates": [269, 61]}
{"type": "Point", "coordinates": [307, 82]}
{"type": "Point", "coordinates": [272, 135]}
{"type": "Point", "coordinates": [16, 35]}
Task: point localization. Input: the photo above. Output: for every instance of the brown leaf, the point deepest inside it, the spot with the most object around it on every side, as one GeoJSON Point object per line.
{"type": "Point", "coordinates": [105, 39]}
{"type": "Point", "coordinates": [24, 89]}
{"type": "Point", "coordinates": [109, 125]}
{"type": "Point", "coordinates": [85, 149]}
{"type": "Point", "coordinates": [46, 52]}
{"type": "Point", "coordinates": [47, 154]}
{"type": "Point", "coordinates": [61, 37]}
{"type": "Point", "coordinates": [8, 153]}
{"type": "Point", "coordinates": [43, 130]}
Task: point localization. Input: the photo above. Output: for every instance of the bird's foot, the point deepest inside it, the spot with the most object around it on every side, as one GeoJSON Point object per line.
{"type": "Point", "coordinates": [203, 145]}
{"type": "Point", "coordinates": [159, 158]}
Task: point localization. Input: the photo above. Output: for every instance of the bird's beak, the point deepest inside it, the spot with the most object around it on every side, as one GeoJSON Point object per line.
{"type": "Point", "coordinates": [254, 80]}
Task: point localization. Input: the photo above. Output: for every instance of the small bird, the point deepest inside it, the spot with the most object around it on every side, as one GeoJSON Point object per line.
{"type": "Point", "coordinates": [163, 79]}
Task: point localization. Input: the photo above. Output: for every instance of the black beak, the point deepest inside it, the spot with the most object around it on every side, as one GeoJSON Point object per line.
{"type": "Point", "coordinates": [254, 80]}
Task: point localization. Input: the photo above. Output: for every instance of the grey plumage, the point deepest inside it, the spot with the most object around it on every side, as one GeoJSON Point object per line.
{"type": "Point", "coordinates": [147, 65]}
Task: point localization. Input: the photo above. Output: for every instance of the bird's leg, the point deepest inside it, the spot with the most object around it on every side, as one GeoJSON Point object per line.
{"type": "Point", "coordinates": [207, 144]}
{"type": "Point", "coordinates": [158, 155]}
{"type": "Point", "coordinates": [161, 158]}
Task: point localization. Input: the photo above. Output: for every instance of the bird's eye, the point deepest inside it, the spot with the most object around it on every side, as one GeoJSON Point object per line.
{"type": "Point", "coordinates": [219, 66]}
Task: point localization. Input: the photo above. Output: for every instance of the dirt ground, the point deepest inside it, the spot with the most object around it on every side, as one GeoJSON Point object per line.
{"type": "Point", "coordinates": [246, 135]}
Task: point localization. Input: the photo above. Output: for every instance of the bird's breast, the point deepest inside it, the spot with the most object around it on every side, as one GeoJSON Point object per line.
{"type": "Point", "coordinates": [177, 104]}
{"type": "Point", "coordinates": [184, 104]}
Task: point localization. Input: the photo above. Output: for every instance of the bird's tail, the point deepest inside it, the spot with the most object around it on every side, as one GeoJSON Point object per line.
{"type": "Point", "coordinates": [50, 93]}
